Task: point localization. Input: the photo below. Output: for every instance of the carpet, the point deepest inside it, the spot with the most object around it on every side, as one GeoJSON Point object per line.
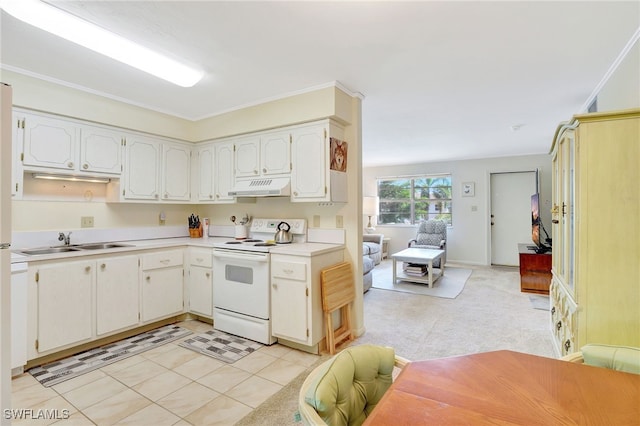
{"type": "Point", "coordinates": [220, 345]}
{"type": "Point", "coordinates": [539, 301]}
{"type": "Point", "coordinates": [74, 366]}
{"type": "Point", "coordinates": [449, 286]}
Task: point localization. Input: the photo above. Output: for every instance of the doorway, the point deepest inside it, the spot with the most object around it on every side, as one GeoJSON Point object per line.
{"type": "Point", "coordinates": [510, 214]}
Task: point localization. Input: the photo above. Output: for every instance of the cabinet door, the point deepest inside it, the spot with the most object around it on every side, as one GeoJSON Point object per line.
{"type": "Point", "coordinates": [176, 172]}
{"type": "Point", "coordinates": [309, 161]}
{"type": "Point", "coordinates": [50, 142]}
{"type": "Point", "coordinates": [289, 301]}
{"type": "Point", "coordinates": [204, 158]}
{"type": "Point", "coordinates": [275, 153]}
{"type": "Point", "coordinates": [201, 291]}
{"type": "Point", "coordinates": [162, 293]}
{"type": "Point", "coordinates": [247, 157]}
{"type": "Point", "coordinates": [100, 150]}
{"type": "Point", "coordinates": [142, 164]}
{"type": "Point", "coordinates": [117, 294]}
{"type": "Point", "coordinates": [64, 304]}
{"type": "Point", "coordinates": [17, 138]}
{"type": "Point", "coordinates": [223, 172]}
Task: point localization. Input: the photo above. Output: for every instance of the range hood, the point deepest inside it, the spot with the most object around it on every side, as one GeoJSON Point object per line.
{"type": "Point", "coordinates": [263, 187]}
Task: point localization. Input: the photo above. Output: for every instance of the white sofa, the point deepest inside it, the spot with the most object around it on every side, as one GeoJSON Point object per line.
{"type": "Point", "coordinates": [371, 256]}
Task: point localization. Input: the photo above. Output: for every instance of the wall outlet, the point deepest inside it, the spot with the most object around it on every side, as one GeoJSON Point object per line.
{"type": "Point", "coordinates": [339, 221]}
{"type": "Point", "coordinates": [86, 222]}
{"type": "Point", "coordinates": [316, 221]}
{"type": "Point", "coordinates": [162, 219]}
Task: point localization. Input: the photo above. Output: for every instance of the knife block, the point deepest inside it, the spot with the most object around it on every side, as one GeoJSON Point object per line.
{"type": "Point", "coordinates": [195, 232]}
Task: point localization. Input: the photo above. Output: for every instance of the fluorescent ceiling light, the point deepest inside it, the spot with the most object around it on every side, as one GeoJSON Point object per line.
{"type": "Point", "coordinates": [70, 178]}
{"type": "Point", "coordinates": [84, 33]}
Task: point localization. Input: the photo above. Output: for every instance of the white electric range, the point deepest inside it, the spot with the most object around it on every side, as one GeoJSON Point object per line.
{"type": "Point", "coordinates": [241, 280]}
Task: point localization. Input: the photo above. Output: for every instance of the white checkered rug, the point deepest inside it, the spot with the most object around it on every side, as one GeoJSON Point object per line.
{"type": "Point", "coordinates": [68, 368]}
{"type": "Point", "coordinates": [220, 345]}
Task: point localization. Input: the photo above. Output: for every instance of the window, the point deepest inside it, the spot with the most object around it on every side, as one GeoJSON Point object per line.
{"type": "Point", "coordinates": [411, 200]}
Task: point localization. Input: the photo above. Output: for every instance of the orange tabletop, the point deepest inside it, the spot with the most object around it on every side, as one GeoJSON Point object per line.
{"type": "Point", "coordinates": [505, 387]}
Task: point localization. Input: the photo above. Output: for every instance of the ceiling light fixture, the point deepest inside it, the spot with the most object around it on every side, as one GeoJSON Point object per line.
{"type": "Point", "coordinates": [49, 176]}
{"type": "Point", "coordinates": [84, 33]}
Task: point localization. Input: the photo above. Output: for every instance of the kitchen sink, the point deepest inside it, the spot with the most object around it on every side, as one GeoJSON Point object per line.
{"type": "Point", "coordinates": [101, 246]}
{"type": "Point", "coordinates": [49, 250]}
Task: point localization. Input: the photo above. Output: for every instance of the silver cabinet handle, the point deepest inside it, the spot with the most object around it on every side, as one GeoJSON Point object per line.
{"type": "Point", "coordinates": [85, 166]}
{"type": "Point", "coordinates": [87, 268]}
{"type": "Point", "coordinates": [70, 164]}
{"type": "Point", "coordinates": [103, 266]}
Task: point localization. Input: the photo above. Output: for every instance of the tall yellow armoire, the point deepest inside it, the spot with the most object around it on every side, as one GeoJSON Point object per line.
{"type": "Point", "coordinates": [595, 289]}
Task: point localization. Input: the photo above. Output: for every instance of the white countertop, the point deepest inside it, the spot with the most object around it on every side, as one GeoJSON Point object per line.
{"type": "Point", "coordinates": [297, 249]}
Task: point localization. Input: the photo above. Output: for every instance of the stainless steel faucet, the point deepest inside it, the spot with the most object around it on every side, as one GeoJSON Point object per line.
{"type": "Point", "coordinates": [65, 238]}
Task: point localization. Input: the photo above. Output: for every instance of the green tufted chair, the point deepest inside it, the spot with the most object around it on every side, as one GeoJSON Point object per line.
{"type": "Point", "coordinates": [346, 388]}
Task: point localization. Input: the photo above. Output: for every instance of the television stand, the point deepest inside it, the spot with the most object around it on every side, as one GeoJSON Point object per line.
{"type": "Point", "coordinates": [535, 270]}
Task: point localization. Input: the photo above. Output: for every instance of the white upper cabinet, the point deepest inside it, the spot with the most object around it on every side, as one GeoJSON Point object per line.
{"type": "Point", "coordinates": [311, 177]}
{"type": "Point", "coordinates": [142, 169]}
{"type": "Point", "coordinates": [223, 172]}
{"type": "Point", "coordinates": [50, 143]}
{"type": "Point", "coordinates": [275, 153]}
{"type": "Point", "coordinates": [100, 150]}
{"type": "Point", "coordinates": [176, 172]}
{"type": "Point", "coordinates": [64, 146]}
{"type": "Point", "coordinates": [155, 170]}
{"type": "Point", "coordinates": [263, 154]}
{"type": "Point", "coordinates": [247, 157]}
{"type": "Point", "coordinates": [205, 155]}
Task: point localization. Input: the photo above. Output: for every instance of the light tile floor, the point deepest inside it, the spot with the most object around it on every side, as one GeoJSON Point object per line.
{"type": "Point", "coordinates": [168, 385]}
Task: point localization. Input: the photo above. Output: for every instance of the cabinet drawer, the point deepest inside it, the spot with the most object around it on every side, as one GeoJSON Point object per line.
{"type": "Point", "coordinates": [290, 270]}
{"type": "Point", "coordinates": [163, 259]}
{"type": "Point", "coordinates": [201, 258]}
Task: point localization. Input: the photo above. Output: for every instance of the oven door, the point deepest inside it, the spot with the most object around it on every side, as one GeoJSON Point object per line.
{"type": "Point", "coordinates": [241, 282]}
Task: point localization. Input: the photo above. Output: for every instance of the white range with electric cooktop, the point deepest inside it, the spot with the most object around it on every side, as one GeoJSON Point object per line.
{"type": "Point", "coordinates": [241, 279]}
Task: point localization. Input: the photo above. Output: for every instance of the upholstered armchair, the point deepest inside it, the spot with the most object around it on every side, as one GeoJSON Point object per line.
{"type": "Point", "coordinates": [621, 358]}
{"type": "Point", "coordinates": [345, 389]}
{"type": "Point", "coordinates": [432, 234]}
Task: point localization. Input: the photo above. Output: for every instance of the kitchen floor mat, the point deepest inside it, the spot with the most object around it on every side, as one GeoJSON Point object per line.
{"type": "Point", "coordinates": [220, 345]}
{"type": "Point", "coordinates": [68, 368]}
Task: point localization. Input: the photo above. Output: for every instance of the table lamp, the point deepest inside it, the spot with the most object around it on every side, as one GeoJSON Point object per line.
{"type": "Point", "coordinates": [370, 208]}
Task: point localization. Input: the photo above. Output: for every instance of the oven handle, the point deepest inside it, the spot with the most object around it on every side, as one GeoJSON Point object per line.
{"type": "Point", "coordinates": [261, 257]}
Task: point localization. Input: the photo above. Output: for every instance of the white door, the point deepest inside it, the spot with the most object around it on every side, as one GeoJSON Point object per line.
{"type": "Point", "coordinates": [49, 142]}
{"type": "Point", "coordinates": [309, 155]}
{"type": "Point", "coordinates": [205, 173]}
{"type": "Point", "coordinates": [510, 215]}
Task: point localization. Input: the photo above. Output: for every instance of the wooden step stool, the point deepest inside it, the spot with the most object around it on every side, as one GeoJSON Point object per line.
{"type": "Point", "coordinates": [338, 291]}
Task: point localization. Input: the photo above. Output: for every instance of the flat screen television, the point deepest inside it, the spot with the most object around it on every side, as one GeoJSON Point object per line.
{"type": "Point", "coordinates": [536, 225]}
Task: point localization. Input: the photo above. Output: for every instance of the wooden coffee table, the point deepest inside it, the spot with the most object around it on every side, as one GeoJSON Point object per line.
{"type": "Point", "coordinates": [508, 388]}
{"type": "Point", "coordinates": [422, 257]}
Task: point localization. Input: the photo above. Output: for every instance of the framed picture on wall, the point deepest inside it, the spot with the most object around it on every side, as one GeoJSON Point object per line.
{"type": "Point", "coordinates": [468, 189]}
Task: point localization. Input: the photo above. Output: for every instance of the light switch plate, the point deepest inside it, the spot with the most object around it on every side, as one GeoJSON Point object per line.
{"type": "Point", "coordinates": [339, 221]}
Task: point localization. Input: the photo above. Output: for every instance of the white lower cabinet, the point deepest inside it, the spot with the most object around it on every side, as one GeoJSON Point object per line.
{"type": "Point", "coordinates": [162, 287]}
{"type": "Point", "coordinates": [117, 294]}
{"type": "Point", "coordinates": [290, 292]}
{"type": "Point", "coordinates": [64, 304]}
{"type": "Point", "coordinates": [201, 282]}
{"type": "Point", "coordinates": [296, 299]}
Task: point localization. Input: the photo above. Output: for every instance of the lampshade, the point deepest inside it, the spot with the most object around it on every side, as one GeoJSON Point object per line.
{"type": "Point", "coordinates": [370, 206]}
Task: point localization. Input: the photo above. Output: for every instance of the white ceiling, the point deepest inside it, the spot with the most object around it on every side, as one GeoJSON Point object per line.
{"type": "Point", "coordinates": [440, 80]}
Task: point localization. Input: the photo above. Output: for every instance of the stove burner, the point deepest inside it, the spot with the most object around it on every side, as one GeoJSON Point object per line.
{"type": "Point", "coordinates": [265, 244]}
{"type": "Point", "coordinates": [253, 241]}
{"type": "Point", "coordinates": [233, 242]}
